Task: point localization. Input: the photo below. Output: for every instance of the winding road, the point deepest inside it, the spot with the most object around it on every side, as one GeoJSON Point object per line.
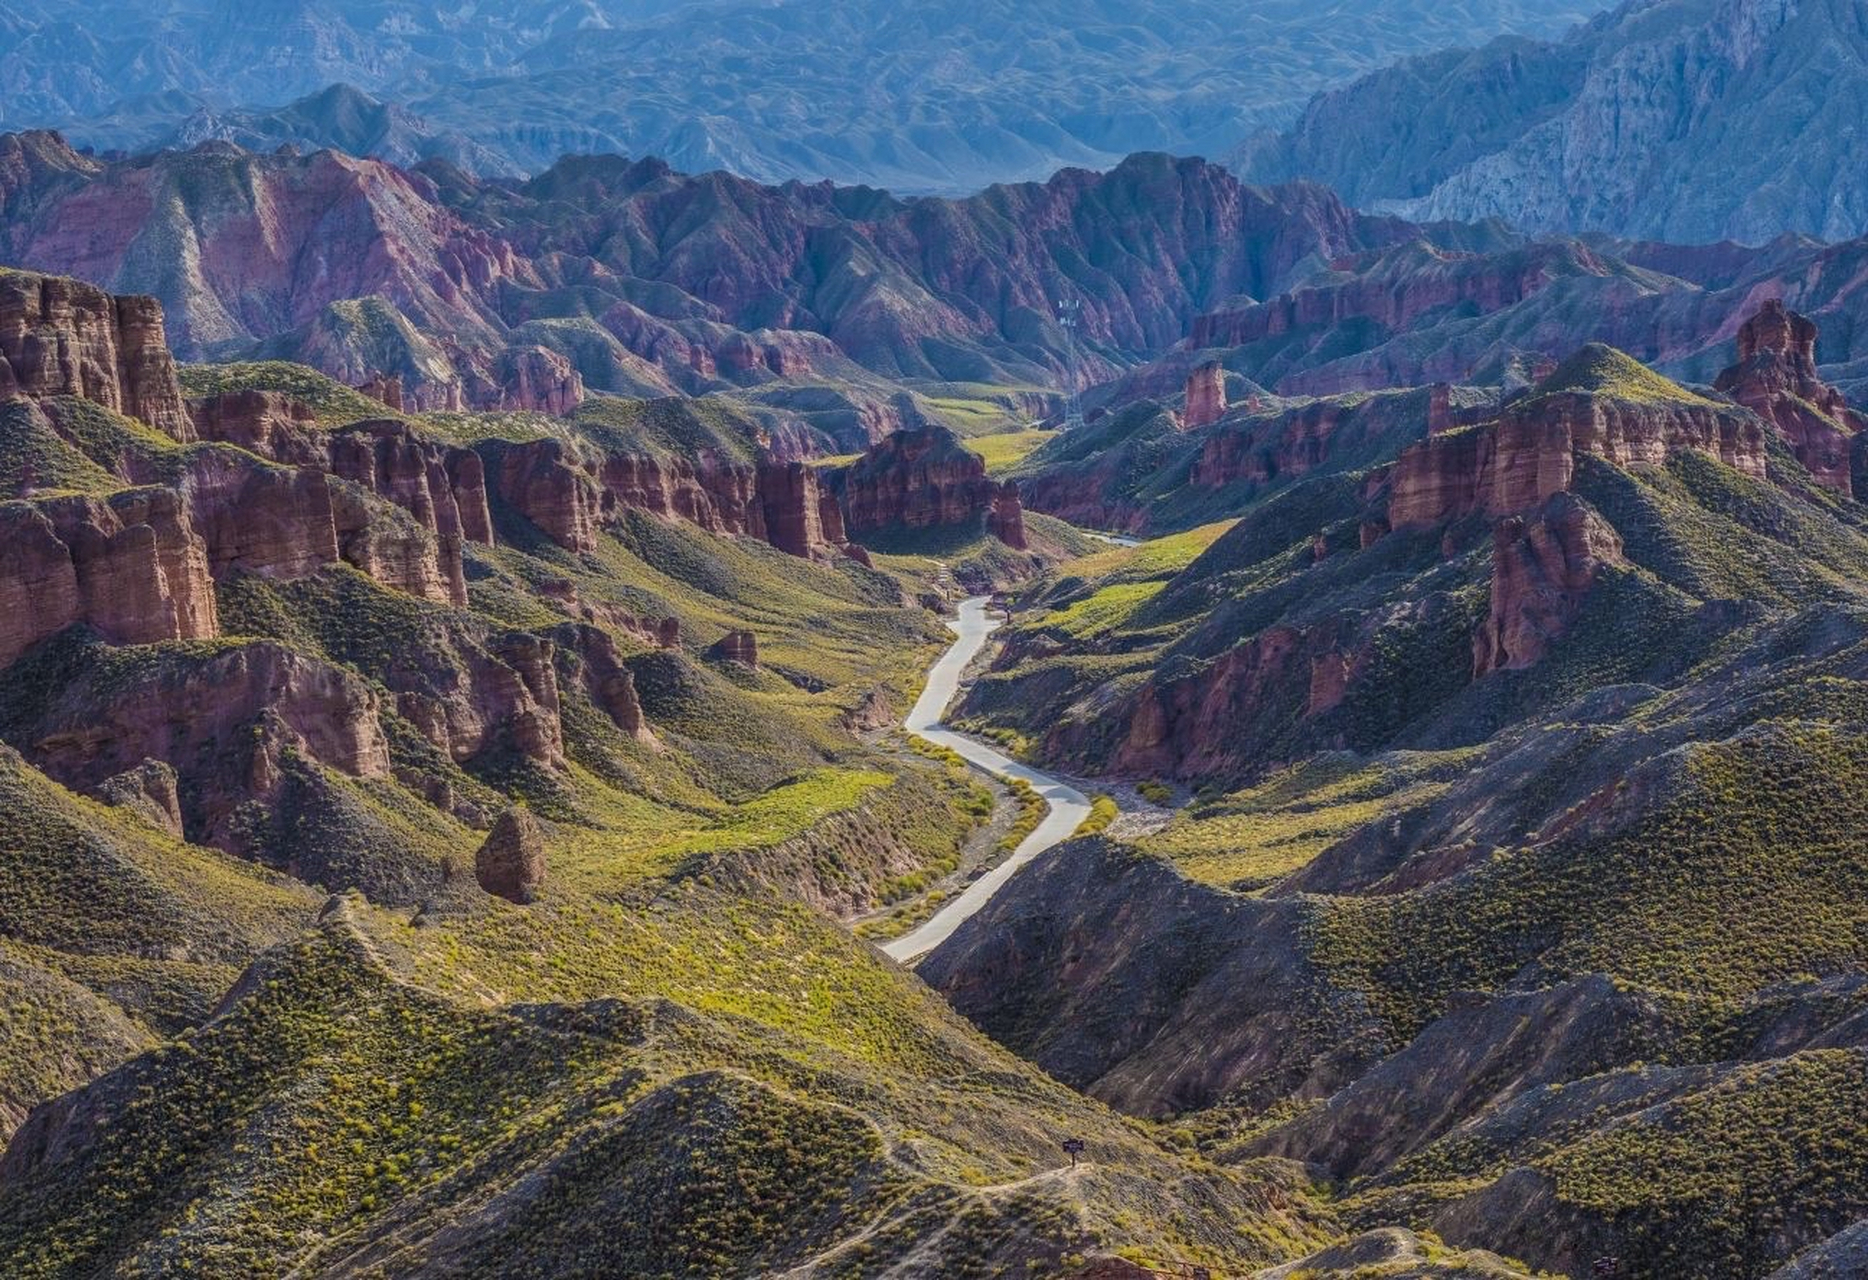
{"type": "Point", "coordinates": [1069, 807]}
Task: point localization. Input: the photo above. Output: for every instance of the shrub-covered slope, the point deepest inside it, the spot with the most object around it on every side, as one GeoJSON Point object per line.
{"type": "Point", "coordinates": [1512, 880]}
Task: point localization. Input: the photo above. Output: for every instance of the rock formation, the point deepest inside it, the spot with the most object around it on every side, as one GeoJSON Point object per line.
{"type": "Point", "coordinates": [221, 720]}
{"type": "Point", "coordinates": [570, 493]}
{"type": "Point", "coordinates": [1543, 564]}
{"type": "Point", "coordinates": [1776, 378]}
{"type": "Point", "coordinates": [1182, 725]}
{"type": "Point", "coordinates": [918, 479]}
{"type": "Point", "coordinates": [737, 646]}
{"type": "Point", "coordinates": [149, 790]}
{"type": "Point", "coordinates": [539, 379]}
{"type": "Point", "coordinates": [511, 863]}
{"type": "Point", "coordinates": [62, 337]}
{"type": "Point", "coordinates": [1530, 452]}
{"type": "Point", "coordinates": [1006, 520]}
{"type": "Point", "coordinates": [793, 508]}
{"type": "Point", "coordinates": [386, 390]}
{"type": "Point", "coordinates": [603, 677]}
{"type": "Point", "coordinates": [547, 483]}
{"type": "Point", "coordinates": [1206, 396]}
{"type": "Point", "coordinates": [133, 567]}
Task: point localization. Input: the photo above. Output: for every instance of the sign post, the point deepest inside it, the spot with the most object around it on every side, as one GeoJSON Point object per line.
{"type": "Point", "coordinates": [1075, 1147]}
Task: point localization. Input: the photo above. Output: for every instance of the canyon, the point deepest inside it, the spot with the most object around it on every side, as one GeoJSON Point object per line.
{"type": "Point", "coordinates": [456, 814]}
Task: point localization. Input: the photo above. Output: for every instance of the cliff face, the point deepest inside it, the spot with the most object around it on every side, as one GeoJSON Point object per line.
{"type": "Point", "coordinates": [1530, 453]}
{"type": "Point", "coordinates": [264, 490]}
{"type": "Point", "coordinates": [918, 479]}
{"type": "Point", "coordinates": [61, 337]}
{"type": "Point", "coordinates": [546, 482]}
{"type": "Point", "coordinates": [1393, 289]}
{"type": "Point", "coordinates": [1205, 401]}
{"type": "Point", "coordinates": [441, 488]}
{"type": "Point", "coordinates": [132, 566]}
{"type": "Point", "coordinates": [1543, 564]}
{"type": "Point", "coordinates": [570, 492]}
{"type": "Point", "coordinates": [221, 720]}
{"type": "Point", "coordinates": [1006, 521]}
{"type": "Point", "coordinates": [1776, 378]}
{"type": "Point", "coordinates": [538, 379]}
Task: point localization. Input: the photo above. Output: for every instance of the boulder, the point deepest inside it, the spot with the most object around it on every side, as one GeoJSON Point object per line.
{"type": "Point", "coordinates": [511, 862]}
{"type": "Point", "coordinates": [737, 646]}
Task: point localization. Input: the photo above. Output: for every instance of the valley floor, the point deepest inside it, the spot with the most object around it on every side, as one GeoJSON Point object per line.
{"type": "Point", "coordinates": [1067, 807]}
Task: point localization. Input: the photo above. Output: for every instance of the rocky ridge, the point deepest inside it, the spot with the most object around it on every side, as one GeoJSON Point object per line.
{"type": "Point", "coordinates": [1612, 128]}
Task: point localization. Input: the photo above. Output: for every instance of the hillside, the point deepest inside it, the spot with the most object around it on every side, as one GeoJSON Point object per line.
{"type": "Point", "coordinates": [1681, 120]}
{"type": "Point", "coordinates": [834, 316]}
{"type": "Point", "coordinates": [833, 312]}
{"type": "Point", "coordinates": [1510, 753]}
{"type": "Point", "coordinates": [426, 841]}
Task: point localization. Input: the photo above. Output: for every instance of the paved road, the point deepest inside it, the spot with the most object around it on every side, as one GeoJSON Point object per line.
{"type": "Point", "coordinates": [1114, 539]}
{"type": "Point", "coordinates": [1069, 807]}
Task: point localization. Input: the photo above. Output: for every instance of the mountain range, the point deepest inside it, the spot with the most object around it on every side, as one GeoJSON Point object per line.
{"type": "Point", "coordinates": [936, 97]}
{"type": "Point", "coordinates": [595, 720]}
{"type": "Point", "coordinates": [1683, 120]}
{"type": "Point", "coordinates": [838, 314]}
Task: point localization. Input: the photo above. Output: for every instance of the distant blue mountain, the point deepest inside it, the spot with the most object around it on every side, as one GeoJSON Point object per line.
{"type": "Point", "coordinates": [938, 95]}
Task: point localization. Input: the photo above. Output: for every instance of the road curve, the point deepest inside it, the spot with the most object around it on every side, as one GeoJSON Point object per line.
{"type": "Point", "coordinates": [1069, 807]}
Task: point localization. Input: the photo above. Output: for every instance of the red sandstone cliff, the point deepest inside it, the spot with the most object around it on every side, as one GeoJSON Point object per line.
{"type": "Point", "coordinates": [1776, 378]}
{"type": "Point", "coordinates": [1206, 396]}
{"type": "Point", "coordinates": [1006, 521]}
{"type": "Point", "coordinates": [1530, 452]}
{"type": "Point", "coordinates": [538, 379]}
{"type": "Point", "coordinates": [1543, 565]}
{"type": "Point", "coordinates": [220, 720]}
{"type": "Point", "coordinates": [131, 566]}
{"type": "Point", "coordinates": [919, 479]}
{"type": "Point", "coordinates": [61, 337]}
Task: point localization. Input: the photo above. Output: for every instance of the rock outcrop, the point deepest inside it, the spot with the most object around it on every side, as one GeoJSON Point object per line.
{"type": "Point", "coordinates": [540, 380]}
{"type": "Point", "coordinates": [737, 646]}
{"type": "Point", "coordinates": [223, 721]}
{"type": "Point", "coordinates": [1529, 454]}
{"type": "Point", "coordinates": [1183, 725]}
{"type": "Point", "coordinates": [62, 337]}
{"type": "Point", "coordinates": [133, 567]}
{"type": "Point", "coordinates": [1776, 378]}
{"type": "Point", "coordinates": [547, 483]}
{"type": "Point", "coordinates": [919, 479]}
{"type": "Point", "coordinates": [1543, 564]}
{"type": "Point", "coordinates": [511, 863]}
{"type": "Point", "coordinates": [1006, 520]}
{"type": "Point", "coordinates": [611, 686]}
{"type": "Point", "coordinates": [386, 390]}
{"type": "Point", "coordinates": [793, 509]}
{"type": "Point", "coordinates": [571, 492]}
{"type": "Point", "coordinates": [150, 790]}
{"type": "Point", "coordinates": [1205, 397]}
